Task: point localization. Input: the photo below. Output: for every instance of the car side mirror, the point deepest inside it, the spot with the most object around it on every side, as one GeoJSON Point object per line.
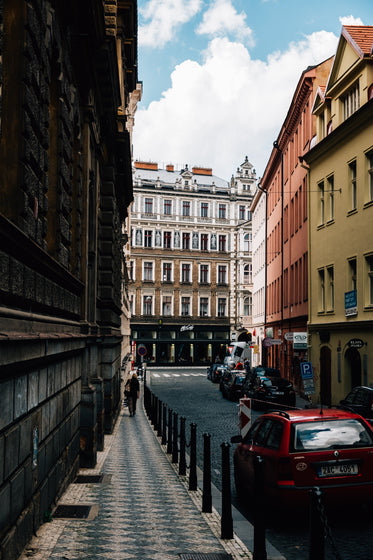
{"type": "Point", "coordinates": [236, 439]}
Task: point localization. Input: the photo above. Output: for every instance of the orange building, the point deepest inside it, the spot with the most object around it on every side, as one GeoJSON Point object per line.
{"type": "Point", "coordinates": [285, 184]}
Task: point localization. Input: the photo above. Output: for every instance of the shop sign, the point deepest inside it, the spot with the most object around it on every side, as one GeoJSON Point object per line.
{"type": "Point", "coordinates": [288, 336]}
{"type": "Point", "coordinates": [350, 303]}
{"type": "Point", "coordinates": [269, 332]}
{"type": "Point", "coordinates": [355, 343]}
{"type": "Point", "coordinates": [300, 341]}
{"type": "Point", "coordinates": [186, 328]}
{"type": "Point", "coordinates": [267, 342]}
{"type": "Point", "coordinates": [276, 341]}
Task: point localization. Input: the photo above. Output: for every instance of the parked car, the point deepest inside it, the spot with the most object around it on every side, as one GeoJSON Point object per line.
{"type": "Point", "coordinates": [360, 400]}
{"type": "Point", "coordinates": [225, 376]}
{"type": "Point", "coordinates": [266, 391]}
{"type": "Point", "coordinates": [215, 371]}
{"type": "Point", "coordinates": [300, 449]}
{"type": "Point", "coordinates": [232, 385]}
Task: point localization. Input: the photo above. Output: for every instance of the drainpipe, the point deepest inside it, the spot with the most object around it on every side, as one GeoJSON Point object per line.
{"type": "Point", "coordinates": [264, 350]}
{"type": "Point", "coordinates": [275, 145]}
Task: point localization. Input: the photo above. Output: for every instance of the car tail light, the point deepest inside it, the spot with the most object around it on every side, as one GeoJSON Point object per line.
{"type": "Point", "coordinates": [284, 470]}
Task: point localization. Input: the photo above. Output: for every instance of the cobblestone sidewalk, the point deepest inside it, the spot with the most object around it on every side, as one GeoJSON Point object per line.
{"type": "Point", "coordinates": [144, 510]}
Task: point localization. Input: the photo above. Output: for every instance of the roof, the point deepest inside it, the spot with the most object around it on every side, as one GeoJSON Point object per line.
{"type": "Point", "coordinates": [317, 414]}
{"type": "Point", "coordinates": [169, 178]}
{"type": "Point", "coordinates": [360, 38]}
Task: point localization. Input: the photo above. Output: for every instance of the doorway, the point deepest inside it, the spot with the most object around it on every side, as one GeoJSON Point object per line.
{"type": "Point", "coordinates": [353, 367]}
{"type": "Point", "coordinates": [325, 376]}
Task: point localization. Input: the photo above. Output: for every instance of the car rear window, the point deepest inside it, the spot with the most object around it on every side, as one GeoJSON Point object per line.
{"type": "Point", "coordinates": [330, 434]}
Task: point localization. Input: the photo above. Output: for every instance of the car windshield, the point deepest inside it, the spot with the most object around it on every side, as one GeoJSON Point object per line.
{"type": "Point", "coordinates": [240, 379]}
{"type": "Point", "coordinates": [330, 434]}
{"type": "Point", "coordinates": [266, 382]}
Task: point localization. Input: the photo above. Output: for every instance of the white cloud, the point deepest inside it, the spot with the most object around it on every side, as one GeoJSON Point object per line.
{"type": "Point", "coordinates": [227, 107]}
{"type": "Point", "coordinates": [163, 18]}
{"type": "Point", "coordinates": [222, 18]}
{"type": "Point", "coordinates": [350, 20]}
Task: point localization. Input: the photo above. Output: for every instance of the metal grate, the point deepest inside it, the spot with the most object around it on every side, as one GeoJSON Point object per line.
{"type": "Point", "coordinates": [72, 511]}
{"type": "Point", "coordinates": [92, 478]}
{"type": "Point", "coordinates": [210, 556]}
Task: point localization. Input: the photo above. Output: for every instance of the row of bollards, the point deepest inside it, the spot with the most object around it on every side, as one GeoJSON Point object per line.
{"type": "Point", "coordinates": [171, 430]}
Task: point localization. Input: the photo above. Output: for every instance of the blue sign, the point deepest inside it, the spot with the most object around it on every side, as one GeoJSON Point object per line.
{"type": "Point", "coordinates": [306, 370]}
{"type": "Point", "coordinates": [350, 303]}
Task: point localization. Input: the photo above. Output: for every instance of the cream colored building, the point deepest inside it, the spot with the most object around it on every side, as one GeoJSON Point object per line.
{"type": "Point", "coordinates": [341, 222]}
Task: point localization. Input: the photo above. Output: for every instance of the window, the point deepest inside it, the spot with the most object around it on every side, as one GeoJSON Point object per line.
{"type": "Point", "coordinates": [148, 238]}
{"type": "Point", "coordinates": [203, 306]}
{"type": "Point", "coordinates": [222, 307]}
{"type": "Point", "coordinates": [149, 206]}
{"type": "Point", "coordinates": [148, 305]}
{"type": "Point", "coordinates": [204, 209]}
{"type": "Point", "coordinates": [351, 101]}
{"type": "Point", "coordinates": [185, 272]}
{"type": "Point", "coordinates": [352, 283]}
{"type": "Point", "coordinates": [330, 277]}
{"type": "Point", "coordinates": [131, 270]}
{"type": "Point", "coordinates": [369, 279]}
{"type": "Point", "coordinates": [167, 306]}
{"type": "Point", "coordinates": [204, 241]}
{"type": "Point", "coordinates": [321, 204]}
{"type": "Point", "coordinates": [370, 176]}
{"type": "Point", "coordinates": [222, 242]}
{"type": "Point", "coordinates": [167, 207]}
{"type": "Point", "coordinates": [203, 273]}
{"type": "Point", "coordinates": [185, 306]}
{"type": "Point", "coordinates": [248, 306]}
{"type": "Point", "coordinates": [222, 274]}
{"type": "Point", "coordinates": [167, 272]}
{"type": "Point", "coordinates": [186, 208]}
{"type": "Point", "coordinates": [241, 212]}
{"type": "Point", "coordinates": [186, 240]}
{"type": "Point", "coordinates": [321, 291]}
{"type": "Point", "coordinates": [331, 197]}
{"type": "Point", "coordinates": [222, 211]}
{"type": "Point", "coordinates": [248, 274]}
{"type": "Point", "coordinates": [353, 194]}
{"type": "Point", "coordinates": [167, 240]}
{"type": "Point", "coordinates": [148, 271]}
{"type": "Point", "coordinates": [248, 242]}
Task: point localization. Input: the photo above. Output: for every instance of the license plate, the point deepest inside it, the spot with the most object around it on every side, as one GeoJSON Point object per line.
{"type": "Point", "coordinates": [278, 392]}
{"type": "Point", "coordinates": [337, 469]}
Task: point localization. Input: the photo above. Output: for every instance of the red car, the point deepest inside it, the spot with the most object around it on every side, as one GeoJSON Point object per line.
{"type": "Point", "coordinates": [301, 449]}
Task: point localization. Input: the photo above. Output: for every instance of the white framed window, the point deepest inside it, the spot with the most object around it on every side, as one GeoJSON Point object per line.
{"type": "Point", "coordinates": [368, 280]}
{"type": "Point", "coordinates": [248, 242]}
{"type": "Point", "coordinates": [148, 203]}
{"type": "Point", "coordinates": [351, 101]}
{"type": "Point", "coordinates": [222, 243]}
{"type": "Point", "coordinates": [248, 306]}
{"type": "Point", "coordinates": [204, 241]}
{"type": "Point", "coordinates": [131, 269]}
{"type": "Point", "coordinates": [167, 275]}
{"type": "Point", "coordinates": [222, 274]}
{"type": "Point", "coordinates": [370, 176]}
{"type": "Point", "coordinates": [203, 306]}
{"type": "Point", "coordinates": [167, 207]}
{"type": "Point", "coordinates": [353, 185]}
{"type": "Point", "coordinates": [147, 308]}
{"type": "Point", "coordinates": [148, 238]}
{"type": "Point", "coordinates": [331, 193]}
{"type": "Point", "coordinates": [186, 307]}
{"type": "Point", "coordinates": [148, 271]}
{"type": "Point", "coordinates": [204, 273]}
{"type": "Point", "coordinates": [248, 274]}
{"type": "Point", "coordinates": [222, 211]}
{"type": "Point", "coordinates": [167, 305]}
{"type": "Point", "coordinates": [330, 280]}
{"type": "Point", "coordinates": [186, 272]}
{"type": "Point", "coordinates": [222, 307]}
{"type": "Point", "coordinates": [186, 208]}
{"type": "Point", "coordinates": [204, 209]}
{"type": "Point", "coordinates": [321, 290]}
{"type": "Point", "coordinates": [321, 203]}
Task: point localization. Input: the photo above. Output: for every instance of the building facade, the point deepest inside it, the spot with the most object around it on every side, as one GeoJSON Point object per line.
{"type": "Point", "coordinates": [340, 222]}
{"type": "Point", "coordinates": [285, 185]}
{"type": "Point", "coordinates": [67, 71]}
{"type": "Point", "coordinates": [190, 264]}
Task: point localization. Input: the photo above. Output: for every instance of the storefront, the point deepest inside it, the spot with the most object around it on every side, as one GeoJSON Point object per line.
{"type": "Point", "coordinates": [170, 345]}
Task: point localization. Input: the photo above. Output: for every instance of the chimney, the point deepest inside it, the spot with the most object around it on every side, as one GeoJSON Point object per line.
{"type": "Point", "coordinates": [169, 167]}
{"type": "Point", "coordinates": [202, 171]}
{"type": "Point", "coordinates": [146, 165]}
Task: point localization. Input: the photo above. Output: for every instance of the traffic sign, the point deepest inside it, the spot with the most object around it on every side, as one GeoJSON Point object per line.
{"type": "Point", "coordinates": [141, 350]}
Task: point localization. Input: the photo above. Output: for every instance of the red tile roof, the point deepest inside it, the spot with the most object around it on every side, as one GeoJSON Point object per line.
{"type": "Point", "coordinates": [360, 37]}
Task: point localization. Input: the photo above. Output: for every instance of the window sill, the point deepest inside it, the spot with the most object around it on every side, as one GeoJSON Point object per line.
{"type": "Point", "coordinates": [352, 212]}
{"type": "Point", "coordinates": [368, 204]}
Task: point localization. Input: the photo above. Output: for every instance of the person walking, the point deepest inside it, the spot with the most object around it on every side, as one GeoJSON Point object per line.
{"type": "Point", "coordinates": [134, 393]}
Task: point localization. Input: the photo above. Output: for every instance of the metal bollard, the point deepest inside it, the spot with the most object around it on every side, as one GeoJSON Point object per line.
{"type": "Point", "coordinates": [169, 432]}
{"type": "Point", "coordinates": [175, 449]}
{"type": "Point", "coordinates": [226, 506]}
{"type": "Point", "coordinates": [193, 457]}
{"type": "Point", "coordinates": [317, 530]}
{"type": "Point", "coordinates": [159, 418]}
{"type": "Point", "coordinates": [182, 462]}
{"type": "Point", "coordinates": [164, 425]}
{"type": "Point", "coordinates": [259, 552]}
{"type": "Point", "coordinates": [155, 411]}
{"type": "Point", "coordinates": [206, 495]}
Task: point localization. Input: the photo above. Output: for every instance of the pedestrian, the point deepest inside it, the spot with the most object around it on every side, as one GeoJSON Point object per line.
{"type": "Point", "coordinates": [134, 394]}
{"type": "Point", "coordinates": [127, 391]}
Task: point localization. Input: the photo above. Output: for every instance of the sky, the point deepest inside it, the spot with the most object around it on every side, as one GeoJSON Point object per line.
{"type": "Point", "coordinates": [218, 76]}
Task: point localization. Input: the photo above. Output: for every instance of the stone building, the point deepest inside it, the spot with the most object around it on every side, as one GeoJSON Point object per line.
{"type": "Point", "coordinates": [190, 263]}
{"type": "Point", "coordinates": [67, 73]}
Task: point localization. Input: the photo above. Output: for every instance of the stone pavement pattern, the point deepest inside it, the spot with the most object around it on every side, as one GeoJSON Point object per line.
{"type": "Point", "coordinates": [144, 512]}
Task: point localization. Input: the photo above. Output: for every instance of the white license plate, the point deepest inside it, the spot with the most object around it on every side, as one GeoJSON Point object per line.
{"type": "Point", "coordinates": [338, 469]}
{"type": "Point", "coordinates": [278, 392]}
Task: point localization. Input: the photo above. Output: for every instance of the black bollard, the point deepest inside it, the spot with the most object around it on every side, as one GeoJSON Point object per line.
{"type": "Point", "coordinates": [169, 432]}
{"type": "Point", "coordinates": [182, 461]}
{"type": "Point", "coordinates": [206, 495]}
{"type": "Point", "coordinates": [193, 458]}
{"type": "Point", "coordinates": [159, 418]}
{"type": "Point", "coordinates": [164, 425]}
{"type": "Point", "coordinates": [317, 529]}
{"type": "Point", "coordinates": [155, 412]}
{"type": "Point", "coordinates": [226, 506]}
{"type": "Point", "coordinates": [175, 449]}
{"type": "Point", "coordinates": [259, 552]}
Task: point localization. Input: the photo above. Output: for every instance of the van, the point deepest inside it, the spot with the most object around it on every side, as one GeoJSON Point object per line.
{"type": "Point", "coordinates": [238, 352]}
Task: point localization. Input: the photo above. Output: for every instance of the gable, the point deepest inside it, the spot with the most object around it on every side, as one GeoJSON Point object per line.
{"type": "Point", "coordinates": [344, 61]}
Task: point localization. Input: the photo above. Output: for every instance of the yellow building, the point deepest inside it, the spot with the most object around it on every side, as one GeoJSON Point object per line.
{"type": "Point", "coordinates": [340, 213]}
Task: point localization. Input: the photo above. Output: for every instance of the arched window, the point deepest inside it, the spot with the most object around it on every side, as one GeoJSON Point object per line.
{"type": "Point", "coordinates": [248, 306]}
{"type": "Point", "coordinates": [248, 274]}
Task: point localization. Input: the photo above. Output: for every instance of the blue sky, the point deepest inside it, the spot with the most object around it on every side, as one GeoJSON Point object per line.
{"type": "Point", "coordinates": [218, 75]}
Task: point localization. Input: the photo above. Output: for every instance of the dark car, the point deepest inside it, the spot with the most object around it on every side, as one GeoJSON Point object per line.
{"type": "Point", "coordinates": [301, 449]}
{"type": "Point", "coordinates": [232, 385]}
{"type": "Point", "coordinates": [215, 372]}
{"type": "Point", "coordinates": [267, 390]}
{"type": "Point", "coordinates": [360, 400]}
